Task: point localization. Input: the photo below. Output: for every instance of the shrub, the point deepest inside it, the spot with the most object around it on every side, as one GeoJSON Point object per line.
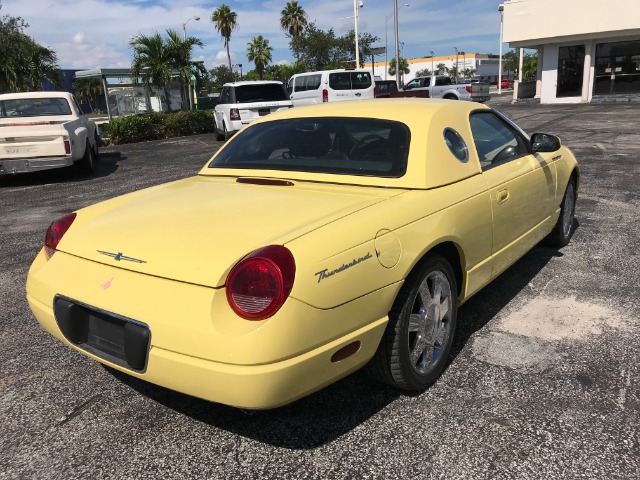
{"type": "Point", "coordinates": [158, 125]}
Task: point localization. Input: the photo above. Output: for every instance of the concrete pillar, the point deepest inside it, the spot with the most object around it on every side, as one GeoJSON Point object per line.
{"type": "Point", "coordinates": [587, 74]}
{"type": "Point", "coordinates": [539, 71]}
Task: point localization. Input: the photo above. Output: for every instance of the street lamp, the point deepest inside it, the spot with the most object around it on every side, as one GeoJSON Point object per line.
{"type": "Point", "coordinates": [432, 71]}
{"type": "Point", "coordinates": [386, 20]}
{"type": "Point", "coordinates": [501, 10]}
{"type": "Point", "coordinates": [184, 25]}
{"type": "Point", "coordinates": [356, 4]}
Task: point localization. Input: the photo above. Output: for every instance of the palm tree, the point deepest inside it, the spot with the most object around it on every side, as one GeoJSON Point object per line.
{"type": "Point", "coordinates": [152, 63]}
{"type": "Point", "coordinates": [404, 66]}
{"type": "Point", "coordinates": [259, 52]}
{"type": "Point", "coordinates": [293, 18]}
{"type": "Point", "coordinates": [225, 22]}
{"type": "Point", "coordinates": [88, 90]}
{"type": "Point", "coordinates": [179, 51]}
{"type": "Point", "coordinates": [441, 69]}
{"type": "Point", "coordinates": [156, 60]}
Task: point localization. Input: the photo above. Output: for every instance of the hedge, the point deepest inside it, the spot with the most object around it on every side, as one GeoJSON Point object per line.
{"type": "Point", "coordinates": [158, 125]}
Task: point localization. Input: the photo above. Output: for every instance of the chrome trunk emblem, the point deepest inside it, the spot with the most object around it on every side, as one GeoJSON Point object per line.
{"type": "Point", "coordinates": [119, 256]}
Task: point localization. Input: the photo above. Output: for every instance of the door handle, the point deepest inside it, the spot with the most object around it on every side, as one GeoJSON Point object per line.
{"type": "Point", "coordinates": [503, 195]}
{"type": "Point", "coordinates": [358, 94]}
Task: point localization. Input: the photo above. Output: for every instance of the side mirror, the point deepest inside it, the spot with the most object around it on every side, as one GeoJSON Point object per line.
{"type": "Point", "coordinates": [544, 142]}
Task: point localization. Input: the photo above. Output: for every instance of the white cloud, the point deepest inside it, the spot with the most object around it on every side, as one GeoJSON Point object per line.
{"type": "Point", "coordinates": [91, 33]}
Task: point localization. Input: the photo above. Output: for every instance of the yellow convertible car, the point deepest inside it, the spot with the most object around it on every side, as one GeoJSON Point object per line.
{"type": "Point", "coordinates": [315, 242]}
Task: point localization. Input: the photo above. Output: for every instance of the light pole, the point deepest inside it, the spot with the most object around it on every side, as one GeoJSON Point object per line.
{"type": "Point", "coordinates": [395, 27]}
{"type": "Point", "coordinates": [192, 93]}
{"type": "Point", "coordinates": [356, 4]}
{"type": "Point", "coordinates": [184, 25]}
{"type": "Point", "coordinates": [386, 44]}
{"type": "Point", "coordinates": [432, 71]}
{"type": "Point", "coordinates": [501, 10]}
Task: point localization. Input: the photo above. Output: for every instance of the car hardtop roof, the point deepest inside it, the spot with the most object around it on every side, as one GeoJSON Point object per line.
{"type": "Point", "coordinates": [430, 162]}
{"type": "Point", "coordinates": [5, 96]}
{"type": "Point", "coordinates": [252, 82]}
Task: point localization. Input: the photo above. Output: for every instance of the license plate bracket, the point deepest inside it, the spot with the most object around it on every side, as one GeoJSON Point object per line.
{"type": "Point", "coordinates": [116, 339]}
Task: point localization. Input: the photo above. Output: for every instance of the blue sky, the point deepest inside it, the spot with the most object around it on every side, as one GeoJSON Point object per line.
{"type": "Point", "coordinates": [95, 33]}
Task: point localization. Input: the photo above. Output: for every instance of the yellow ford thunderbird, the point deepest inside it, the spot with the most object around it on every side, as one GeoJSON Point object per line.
{"type": "Point", "coordinates": [315, 242]}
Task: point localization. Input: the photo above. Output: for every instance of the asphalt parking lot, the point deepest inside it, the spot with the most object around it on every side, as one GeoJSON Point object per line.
{"type": "Point", "coordinates": [543, 382]}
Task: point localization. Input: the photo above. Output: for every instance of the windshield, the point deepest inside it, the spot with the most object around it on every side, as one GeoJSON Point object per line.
{"type": "Point", "coordinates": [268, 92]}
{"type": "Point", "coordinates": [34, 107]}
{"type": "Point", "coordinates": [335, 145]}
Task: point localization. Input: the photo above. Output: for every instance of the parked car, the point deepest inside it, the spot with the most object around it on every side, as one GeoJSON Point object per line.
{"type": "Point", "coordinates": [330, 86]}
{"type": "Point", "coordinates": [316, 241]}
{"type": "Point", "coordinates": [389, 89]}
{"type": "Point", "coordinates": [45, 130]}
{"type": "Point", "coordinates": [441, 86]}
{"type": "Point", "coordinates": [505, 84]}
{"type": "Point", "coordinates": [240, 103]}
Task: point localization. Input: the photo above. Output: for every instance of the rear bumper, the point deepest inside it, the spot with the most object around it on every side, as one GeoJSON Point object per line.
{"type": "Point", "coordinates": [199, 349]}
{"type": "Point", "coordinates": [246, 386]}
{"type": "Point", "coordinates": [25, 165]}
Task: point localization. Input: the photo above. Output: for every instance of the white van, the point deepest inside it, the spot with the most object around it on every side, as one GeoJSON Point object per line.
{"type": "Point", "coordinates": [330, 86]}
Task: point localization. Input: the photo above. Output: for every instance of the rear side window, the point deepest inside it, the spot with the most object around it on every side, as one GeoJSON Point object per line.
{"type": "Point", "coordinates": [360, 80]}
{"type": "Point", "coordinates": [307, 82]}
{"type": "Point", "coordinates": [332, 145]}
{"type": "Point", "coordinates": [270, 92]}
{"type": "Point", "coordinates": [340, 81]}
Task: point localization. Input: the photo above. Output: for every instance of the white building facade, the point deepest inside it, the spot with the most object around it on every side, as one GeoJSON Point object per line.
{"type": "Point", "coordinates": [587, 49]}
{"type": "Point", "coordinates": [484, 66]}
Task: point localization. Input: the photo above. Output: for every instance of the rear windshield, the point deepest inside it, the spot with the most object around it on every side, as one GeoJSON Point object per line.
{"type": "Point", "coordinates": [347, 146]}
{"type": "Point", "coordinates": [34, 107]}
{"type": "Point", "coordinates": [270, 92]}
{"type": "Point", "coordinates": [350, 80]}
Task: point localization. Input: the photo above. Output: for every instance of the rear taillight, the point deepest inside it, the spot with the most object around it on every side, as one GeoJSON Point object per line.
{"type": "Point", "coordinates": [234, 114]}
{"type": "Point", "coordinates": [67, 146]}
{"type": "Point", "coordinates": [55, 232]}
{"type": "Point", "coordinates": [325, 95]}
{"type": "Point", "coordinates": [259, 285]}
{"type": "Point", "coordinates": [468, 88]}
{"type": "Point", "coordinates": [375, 92]}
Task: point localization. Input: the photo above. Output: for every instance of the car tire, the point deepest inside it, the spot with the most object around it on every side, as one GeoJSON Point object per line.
{"type": "Point", "coordinates": [219, 134]}
{"type": "Point", "coordinates": [96, 146]}
{"type": "Point", "coordinates": [562, 231]}
{"type": "Point", "coordinates": [450, 97]}
{"type": "Point", "coordinates": [86, 165]}
{"type": "Point", "coordinates": [416, 344]}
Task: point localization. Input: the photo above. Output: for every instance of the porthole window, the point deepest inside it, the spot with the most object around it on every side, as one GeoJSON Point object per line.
{"type": "Point", "coordinates": [456, 145]}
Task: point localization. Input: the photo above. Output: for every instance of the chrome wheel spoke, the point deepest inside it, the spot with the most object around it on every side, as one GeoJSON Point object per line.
{"type": "Point", "coordinates": [417, 322]}
{"type": "Point", "coordinates": [418, 349]}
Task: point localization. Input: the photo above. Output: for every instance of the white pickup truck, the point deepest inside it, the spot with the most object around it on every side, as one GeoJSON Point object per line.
{"type": "Point", "coordinates": [441, 86]}
{"type": "Point", "coordinates": [45, 130]}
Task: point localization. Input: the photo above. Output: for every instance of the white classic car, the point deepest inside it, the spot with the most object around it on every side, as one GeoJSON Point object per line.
{"type": "Point", "coordinates": [45, 130]}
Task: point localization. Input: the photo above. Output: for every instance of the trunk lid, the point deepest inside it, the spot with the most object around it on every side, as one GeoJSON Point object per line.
{"type": "Point", "coordinates": [196, 229]}
{"type": "Point", "coordinates": [31, 138]}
